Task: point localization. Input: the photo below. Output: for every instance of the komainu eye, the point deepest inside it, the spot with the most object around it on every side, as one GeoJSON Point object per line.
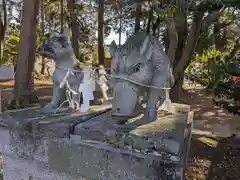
{"type": "Point", "coordinates": [137, 67]}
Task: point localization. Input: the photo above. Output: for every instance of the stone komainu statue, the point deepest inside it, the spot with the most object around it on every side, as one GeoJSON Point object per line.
{"type": "Point", "coordinates": [141, 60]}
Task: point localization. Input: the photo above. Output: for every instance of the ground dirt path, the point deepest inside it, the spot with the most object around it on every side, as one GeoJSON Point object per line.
{"type": "Point", "coordinates": [209, 119]}
{"type": "Point", "coordinates": [220, 160]}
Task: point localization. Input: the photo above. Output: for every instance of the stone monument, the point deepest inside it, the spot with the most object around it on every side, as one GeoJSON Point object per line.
{"type": "Point", "coordinates": [133, 140]}
{"type": "Point", "coordinates": [141, 67]}
{"type": "Point", "coordinates": [70, 82]}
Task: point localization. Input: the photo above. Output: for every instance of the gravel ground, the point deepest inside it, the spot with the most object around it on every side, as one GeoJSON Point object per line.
{"type": "Point", "coordinates": [214, 163]}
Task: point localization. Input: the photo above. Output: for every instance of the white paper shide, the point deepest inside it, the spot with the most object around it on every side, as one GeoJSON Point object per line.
{"type": "Point", "coordinates": [87, 87]}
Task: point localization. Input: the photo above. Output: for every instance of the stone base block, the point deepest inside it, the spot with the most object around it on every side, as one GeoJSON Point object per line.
{"type": "Point", "coordinates": [91, 148]}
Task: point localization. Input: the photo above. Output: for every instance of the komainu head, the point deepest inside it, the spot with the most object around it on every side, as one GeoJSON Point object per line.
{"type": "Point", "coordinates": [57, 46]}
{"type": "Point", "coordinates": [139, 67]}
{"type": "Point", "coordinates": [131, 61]}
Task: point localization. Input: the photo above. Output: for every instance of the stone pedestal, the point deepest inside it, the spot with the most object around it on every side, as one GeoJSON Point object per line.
{"type": "Point", "coordinates": [93, 147]}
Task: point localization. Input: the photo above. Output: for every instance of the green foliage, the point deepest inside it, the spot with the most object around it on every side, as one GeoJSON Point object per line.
{"type": "Point", "coordinates": [114, 11]}
{"type": "Point", "coordinates": [208, 68]}
{"type": "Point", "coordinates": [11, 45]}
{"type": "Point", "coordinates": [208, 55]}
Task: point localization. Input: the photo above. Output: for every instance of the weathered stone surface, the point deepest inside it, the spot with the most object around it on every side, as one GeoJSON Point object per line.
{"type": "Point", "coordinates": [4, 138]}
{"type": "Point", "coordinates": [38, 151]}
{"type": "Point", "coordinates": [166, 134]}
{"type": "Point", "coordinates": [93, 162]}
{"type": "Point", "coordinates": [79, 160]}
{"type": "Point", "coordinates": [100, 161]}
{"type": "Point", "coordinates": [28, 133]}
{"type": "Point", "coordinates": [24, 169]}
{"type": "Point", "coordinates": [33, 119]}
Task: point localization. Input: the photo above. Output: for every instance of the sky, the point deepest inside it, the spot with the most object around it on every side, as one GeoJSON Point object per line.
{"type": "Point", "coordinates": [113, 35]}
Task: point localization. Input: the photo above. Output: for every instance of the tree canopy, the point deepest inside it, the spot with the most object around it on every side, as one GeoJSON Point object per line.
{"type": "Point", "coordinates": [192, 31]}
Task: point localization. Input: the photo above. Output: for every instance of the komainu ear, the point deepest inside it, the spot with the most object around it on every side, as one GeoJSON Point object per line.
{"type": "Point", "coordinates": [113, 48]}
{"type": "Point", "coordinates": [146, 48]}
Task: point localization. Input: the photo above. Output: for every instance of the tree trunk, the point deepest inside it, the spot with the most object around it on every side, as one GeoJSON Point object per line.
{"type": "Point", "coordinates": [100, 31]}
{"type": "Point", "coordinates": [177, 89]}
{"type": "Point", "coordinates": [3, 26]}
{"type": "Point", "coordinates": [219, 39]}
{"type": "Point", "coordinates": [1, 50]}
{"type": "Point", "coordinates": [186, 55]}
{"type": "Point", "coordinates": [138, 17]}
{"type": "Point", "coordinates": [173, 39]}
{"type": "Point", "coordinates": [62, 16]}
{"type": "Point", "coordinates": [181, 28]}
{"type": "Point", "coordinates": [190, 45]}
{"type": "Point", "coordinates": [187, 44]}
{"type": "Point", "coordinates": [120, 28]}
{"type": "Point", "coordinates": [74, 27]}
{"type": "Point", "coordinates": [43, 65]}
{"type": "Point", "coordinates": [24, 80]}
{"type": "Point", "coordinates": [32, 97]}
{"type": "Point", "coordinates": [150, 17]}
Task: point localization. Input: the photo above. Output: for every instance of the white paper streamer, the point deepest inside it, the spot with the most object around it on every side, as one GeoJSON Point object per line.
{"type": "Point", "coordinates": [167, 104]}
{"type": "Point", "coordinates": [64, 81]}
{"type": "Point", "coordinates": [103, 86]}
{"type": "Point", "coordinates": [87, 88]}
